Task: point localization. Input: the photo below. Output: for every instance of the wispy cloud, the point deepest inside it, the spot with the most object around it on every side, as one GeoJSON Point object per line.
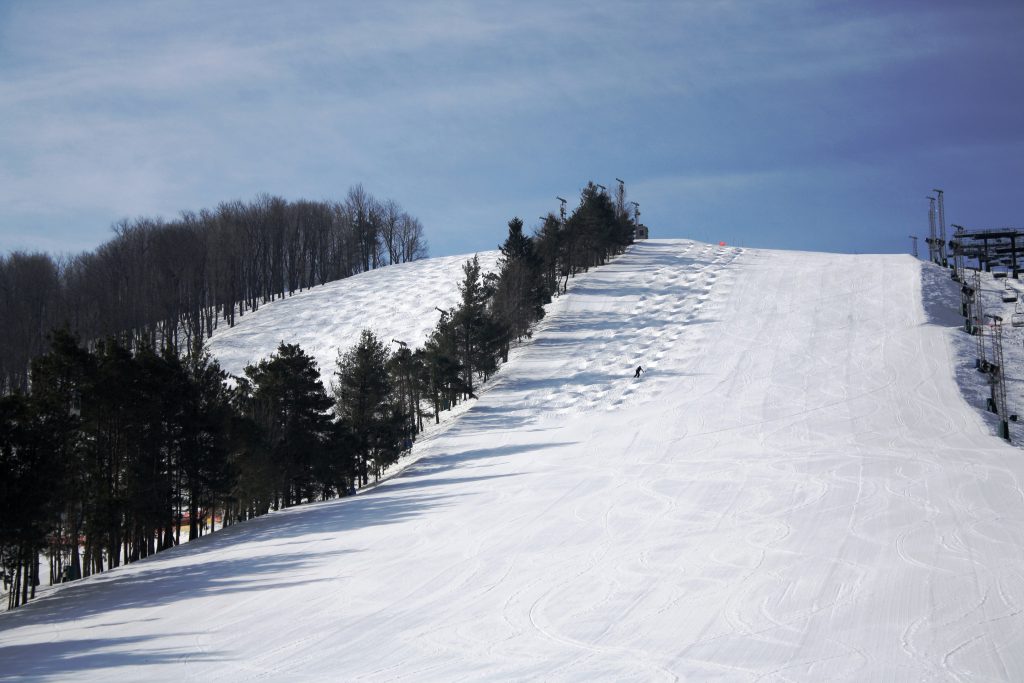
{"type": "Point", "coordinates": [144, 107]}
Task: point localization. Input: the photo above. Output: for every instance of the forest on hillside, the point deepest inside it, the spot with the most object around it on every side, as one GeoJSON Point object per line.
{"type": "Point", "coordinates": [169, 284]}
{"type": "Point", "coordinates": [126, 447]}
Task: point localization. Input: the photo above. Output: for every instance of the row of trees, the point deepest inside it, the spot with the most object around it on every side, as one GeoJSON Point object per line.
{"type": "Point", "coordinates": [170, 283]}
{"type": "Point", "coordinates": [115, 455]}
{"type": "Point", "coordinates": [597, 229]}
{"type": "Point", "coordinates": [499, 309]}
{"type": "Point", "coordinates": [118, 449]}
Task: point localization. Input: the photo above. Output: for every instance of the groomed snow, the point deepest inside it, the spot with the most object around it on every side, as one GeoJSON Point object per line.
{"type": "Point", "coordinates": [795, 491]}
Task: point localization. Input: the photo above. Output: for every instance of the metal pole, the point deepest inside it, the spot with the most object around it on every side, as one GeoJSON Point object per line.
{"type": "Point", "coordinates": [1015, 272]}
{"type": "Point", "coordinates": [958, 253]}
{"type": "Point", "coordinates": [979, 320]}
{"type": "Point", "coordinates": [966, 301]}
{"type": "Point", "coordinates": [933, 240]}
{"type": "Point", "coordinates": [997, 403]}
{"type": "Point", "coordinates": [913, 245]}
{"type": "Point", "coordinates": [942, 226]}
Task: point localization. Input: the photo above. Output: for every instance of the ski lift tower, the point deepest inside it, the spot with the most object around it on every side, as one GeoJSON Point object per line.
{"type": "Point", "coordinates": [933, 239]}
{"type": "Point", "coordinates": [958, 253]}
{"type": "Point", "coordinates": [997, 385]}
{"type": "Point", "coordinates": [640, 231]}
{"type": "Point", "coordinates": [967, 293]}
{"type": "Point", "coordinates": [942, 228]}
{"type": "Point", "coordinates": [978, 323]}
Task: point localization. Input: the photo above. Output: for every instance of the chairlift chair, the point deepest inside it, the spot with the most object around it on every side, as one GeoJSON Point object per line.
{"type": "Point", "coordinates": [1017, 319]}
{"type": "Point", "coordinates": [1009, 294]}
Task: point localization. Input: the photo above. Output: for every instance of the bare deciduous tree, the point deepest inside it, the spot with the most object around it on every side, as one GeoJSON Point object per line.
{"type": "Point", "coordinates": [169, 284]}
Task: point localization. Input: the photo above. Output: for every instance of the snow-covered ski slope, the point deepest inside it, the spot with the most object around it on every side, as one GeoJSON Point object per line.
{"type": "Point", "coordinates": [795, 491]}
{"type": "Point", "coordinates": [395, 302]}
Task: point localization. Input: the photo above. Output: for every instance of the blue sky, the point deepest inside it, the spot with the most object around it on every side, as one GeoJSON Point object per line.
{"type": "Point", "coordinates": [797, 125]}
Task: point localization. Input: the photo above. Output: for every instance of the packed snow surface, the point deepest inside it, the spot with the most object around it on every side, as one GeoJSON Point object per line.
{"type": "Point", "coordinates": [796, 490]}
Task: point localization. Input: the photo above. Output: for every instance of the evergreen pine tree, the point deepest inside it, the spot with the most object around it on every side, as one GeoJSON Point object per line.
{"type": "Point", "coordinates": [479, 338]}
{"type": "Point", "coordinates": [364, 400]}
{"type": "Point", "coordinates": [27, 500]}
{"type": "Point", "coordinates": [60, 386]}
{"type": "Point", "coordinates": [549, 246]}
{"type": "Point", "coordinates": [442, 370]}
{"type": "Point", "coordinates": [206, 439]}
{"type": "Point", "coordinates": [403, 366]}
{"type": "Point", "coordinates": [253, 486]}
{"type": "Point", "coordinates": [520, 294]}
{"type": "Point", "coordinates": [292, 407]}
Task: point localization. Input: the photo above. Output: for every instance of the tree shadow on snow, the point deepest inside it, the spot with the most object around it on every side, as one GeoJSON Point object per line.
{"type": "Point", "coordinates": [285, 546]}
{"type": "Point", "coordinates": [163, 580]}
{"type": "Point", "coordinates": [605, 326]}
{"type": "Point", "coordinates": [62, 658]}
{"type": "Point", "coordinates": [481, 418]}
{"type": "Point", "coordinates": [474, 457]}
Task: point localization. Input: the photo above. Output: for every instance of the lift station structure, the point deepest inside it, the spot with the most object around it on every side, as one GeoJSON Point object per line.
{"type": "Point", "coordinates": [987, 249]}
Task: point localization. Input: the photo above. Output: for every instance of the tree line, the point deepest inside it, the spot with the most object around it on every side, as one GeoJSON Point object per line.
{"type": "Point", "coordinates": [169, 284]}
{"type": "Point", "coordinates": [116, 454]}
{"type": "Point", "coordinates": [497, 310]}
{"type": "Point", "coordinates": [118, 451]}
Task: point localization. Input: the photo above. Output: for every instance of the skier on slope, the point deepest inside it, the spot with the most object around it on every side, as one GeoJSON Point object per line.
{"type": "Point", "coordinates": [639, 369]}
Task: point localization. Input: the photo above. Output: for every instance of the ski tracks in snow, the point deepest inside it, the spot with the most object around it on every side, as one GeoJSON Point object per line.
{"type": "Point", "coordinates": [651, 321]}
{"type": "Point", "coordinates": [794, 491]}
